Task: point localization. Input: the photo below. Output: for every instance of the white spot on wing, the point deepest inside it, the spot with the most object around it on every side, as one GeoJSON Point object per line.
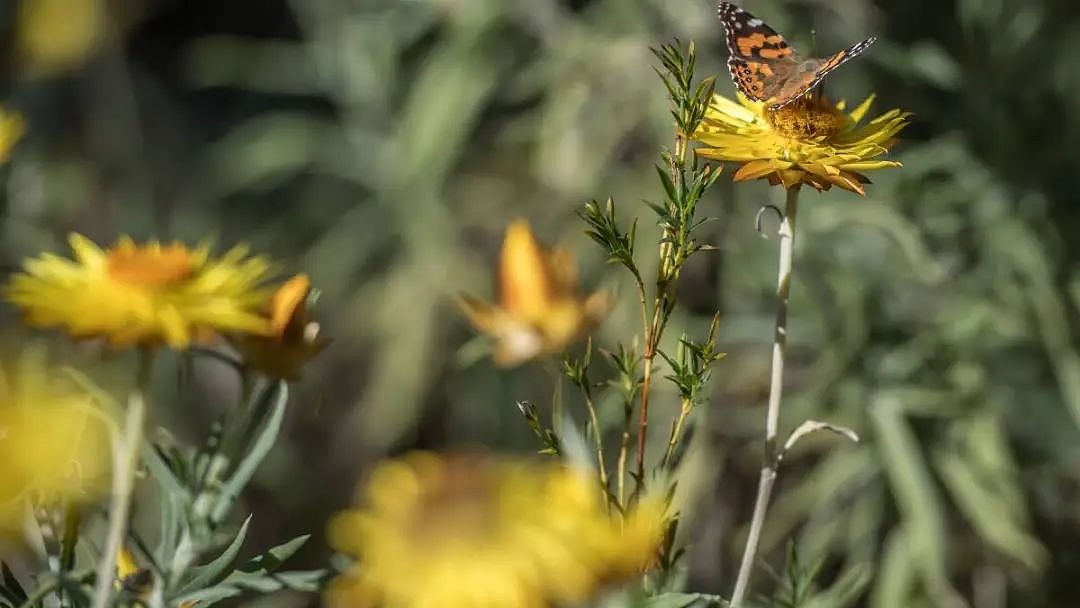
{"type": "Point", "coordinates": [754, 22]}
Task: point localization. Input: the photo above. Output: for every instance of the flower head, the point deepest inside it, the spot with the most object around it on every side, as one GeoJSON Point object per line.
{"type": "Point", "coordinates": [294, 337]}
{"type": "Point", "coordinates": [54, 444]}
{"type": "Point", "coordinates": [142, 293]}
{"type": "Point", "coordinates": [809, 141]}
{"type": "Point", "coordinates": [473, 532]}
{"type": "Point", "coordinates": [540, 308]}
{"type": "Point", "coordinates": [12, 127]}
{"type": "Point", "coordinates": [55, 35]}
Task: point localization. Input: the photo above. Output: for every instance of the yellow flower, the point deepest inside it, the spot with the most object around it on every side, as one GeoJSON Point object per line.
{"type": "Point", "coordinates": [130, 576]}
{"type": "Point", "coordinates": [295, 338]}
{"type": "Point", "coordinates": [475, 532]}
{"type": "Point", "coordinates": [54, 444]}
{"type": "Point", "coordinates": [540, 307]}
{"type": "Point", "coordinates": [139, 581]}
{"type": "Point", "coordinates": [809, 141]}
{"type": "Point", "coordinates": [55, 35]}
{"type": "Point", "coordinates": [142, 294]}
{"type": "Point", "coordinates": [12, 127]}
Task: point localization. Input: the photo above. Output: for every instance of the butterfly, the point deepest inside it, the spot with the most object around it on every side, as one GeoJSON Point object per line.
{"type": "Point", "coordinates": [765, 68]}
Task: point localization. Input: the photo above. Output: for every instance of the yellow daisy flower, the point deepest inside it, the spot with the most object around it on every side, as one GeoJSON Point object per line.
{"type": "Point", "coordinates": [294, 337]}
{"type": "Point", "coordinates": [143, 293]}
{"type": "Point", "coordinates": [56, 35]}
{"type": "Point", "coordinates": [138, 580]}
{"type": "Point", "coordinates": [130, 576]}
{"type": "Point", "coordinates": [54, 444]}
{"type": "Point", "coordinates": [12, 127]}
{"type": "Point", "coordinates": [540, 307]}
{"type": "Point", "coordinates": [809, 141]}
{"type": "Point", "coordinates": [474, 532]}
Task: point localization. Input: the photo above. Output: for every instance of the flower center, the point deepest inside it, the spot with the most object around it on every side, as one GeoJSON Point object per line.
{"type": "Point", "coordinates": [149, 266]}
{"type": "Point", "coordinates": [809, 117]}
{"type": "Point", "coordinates": [460, 505]}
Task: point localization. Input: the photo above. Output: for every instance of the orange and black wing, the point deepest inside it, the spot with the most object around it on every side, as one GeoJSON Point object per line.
{"type": "Point", "coordinates": [760, 61]}
{"type": "Point", "coordinates": [811, 73]}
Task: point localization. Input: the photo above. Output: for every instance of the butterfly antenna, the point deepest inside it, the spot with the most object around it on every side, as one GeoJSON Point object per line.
{"type": "Point", "coordinates": [815, 93]}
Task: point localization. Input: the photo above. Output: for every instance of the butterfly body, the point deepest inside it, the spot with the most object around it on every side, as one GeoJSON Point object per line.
{"type": "Point", "coordinates": [765, 68]}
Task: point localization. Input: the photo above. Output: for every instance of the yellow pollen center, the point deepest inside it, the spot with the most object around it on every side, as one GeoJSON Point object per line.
{"type": "Point", "coordinates": [806, 118]}
{"type": "Point", "coordinates": [459, 506]}
{"type": "Point", "coordinates": [150, 267]}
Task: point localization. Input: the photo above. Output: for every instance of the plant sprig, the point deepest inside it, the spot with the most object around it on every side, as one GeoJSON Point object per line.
{"type": "Point", "coordinates": [683, 183]}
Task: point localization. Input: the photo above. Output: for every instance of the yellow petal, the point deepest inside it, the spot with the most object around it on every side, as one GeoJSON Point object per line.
{"type": "Point", "coordinates": [484, 317]}
{"type": "Point", "coordinates": [759, 168]}
{"type": "Point", "coordinates": [286, 300]}
{"type": "Point", "coordinates": [526, 285]}
{"type": "Point", "coordinates": [858, 113]}
{"type": "Point", "coordinates": [791, 177]}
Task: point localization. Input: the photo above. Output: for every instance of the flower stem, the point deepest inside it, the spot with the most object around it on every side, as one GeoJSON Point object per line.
{"type": "Point", "coordinates": [643, 418]}
{"type": "Point", "coordinates": [667, 272]}
{"type": "Point", "coordinates": [125, 462]}
{"type": "Point", "coordinates": [624, 449]}
{"type": "Point", "coordinates": [776, 388]}
{"type": "Point", "coordinates": [125, 457]}
{"type": "Point", "coordinates": [595, 422]}
{"type": "Point", "coordinates": [676, 432]}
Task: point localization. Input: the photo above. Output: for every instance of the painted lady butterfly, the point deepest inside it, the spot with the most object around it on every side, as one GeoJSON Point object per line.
{"type": "Point", "coordinates": [765, 68]}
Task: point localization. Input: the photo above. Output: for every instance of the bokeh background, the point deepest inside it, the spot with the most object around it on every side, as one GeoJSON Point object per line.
{"type": "Point", "coordinates": [383, 145]}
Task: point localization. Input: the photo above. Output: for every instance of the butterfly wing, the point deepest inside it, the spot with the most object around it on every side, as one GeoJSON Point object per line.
{"type": "Point", "coordinates": [810, 73]}
{"type": "Point", "coordinates": [760, 61]}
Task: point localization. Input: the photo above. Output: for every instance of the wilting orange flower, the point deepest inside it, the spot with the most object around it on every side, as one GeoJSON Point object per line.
{"type": "Point", "coordinates": [469, 531]}
{"type": "Point", "coordinates": [142, 293]}
{"type": "Point", "coordinates": [540, 306]}
{"type": "Point", "coordinates": [294, 337]}
{"type": "Point", "coordinates": [809, 141]}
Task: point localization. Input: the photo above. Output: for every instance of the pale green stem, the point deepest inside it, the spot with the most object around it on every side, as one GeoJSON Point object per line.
{"type": "Point", "coordinates": [676, 432]}
{"type": "Point", "coordinates": [125, 463]}
{"type": "Point", "coordinates": [776, 388]}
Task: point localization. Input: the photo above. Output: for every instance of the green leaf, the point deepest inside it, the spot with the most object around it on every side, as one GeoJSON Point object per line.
{"type": "Point", "coordinates": [11, 590]}
{"type": "Point", "coordinates": [987, 512]}
{"type": "Point", "coordinates": [846, 590]}
{"type": "Point", "coordinates": [163, 474]}
{"type": "Point", "coordinates": [683, 600]}
{"type": "Point", "coordinates": [898, 571]}
{"type": "Point", "coordinates": [201, 576]}
{"type": "Point", "coordinates": [298, 580]}
{"type": "Point", "coordinates": [272, 559]}
{"type": "Point", "coordinates": [208, 596]}
{"type": "Point", "coordinates": [916, 497]}
{"type": "Point", "coordinates": [245, 470]}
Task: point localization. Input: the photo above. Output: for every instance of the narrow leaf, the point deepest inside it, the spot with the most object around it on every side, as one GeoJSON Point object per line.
{"type": "Point", "coordinates": [245, 470]}
{"type": "Point", "coordinates": [202, 576]}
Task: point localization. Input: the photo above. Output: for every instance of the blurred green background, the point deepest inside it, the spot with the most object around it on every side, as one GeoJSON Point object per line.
{"type": "Point", "coordinates": [382, 146]}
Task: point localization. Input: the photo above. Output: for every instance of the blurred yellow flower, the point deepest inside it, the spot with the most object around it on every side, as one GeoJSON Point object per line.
{"type": "Point", "coordinates": [143, 293]}
{"type": "Point", "coordinates": [130, 576]}
{"type": "Point", "coordinates": [139, 581]}
{"type": "Point", "coordinates": [809, 141]}
{"type": "Point", "coordinates": [12, 127]}
{"type": "Point", "coordinates": [54, 443]}
{"type": "Point", "coordinates": [540, 307]}
{"type": "Point", "coordinates": [475, 532]}
{"type": "Point", "coordinates": [56, 35]}
{"type": "Point", "coordinates": [294, 337]}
